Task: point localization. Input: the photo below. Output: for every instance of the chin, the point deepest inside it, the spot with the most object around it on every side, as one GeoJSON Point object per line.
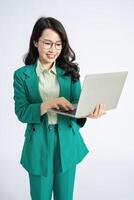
{"type": "Point", "coordinates": [47, 61]}
{"type": "Point", "coordinates": [50, 60]}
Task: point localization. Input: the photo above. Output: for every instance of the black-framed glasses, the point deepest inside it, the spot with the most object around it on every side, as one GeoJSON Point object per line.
{"type": "Point", "coordinates": [48, 44]}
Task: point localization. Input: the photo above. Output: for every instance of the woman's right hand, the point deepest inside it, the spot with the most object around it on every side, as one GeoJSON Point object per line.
{"type": "Point", "coordinates": [56, 103]}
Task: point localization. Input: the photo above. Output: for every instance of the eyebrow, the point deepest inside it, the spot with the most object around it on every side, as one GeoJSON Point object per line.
{"type": "Point", "coordinates": [52, 41]}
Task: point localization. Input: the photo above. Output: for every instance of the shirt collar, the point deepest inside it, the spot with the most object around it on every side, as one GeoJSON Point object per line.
{"type": "Point", "coordinates": [40, 69]}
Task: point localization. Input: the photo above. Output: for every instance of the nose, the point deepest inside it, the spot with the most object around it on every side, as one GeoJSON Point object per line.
{"type": "Point", "coordinates": [52, 49]}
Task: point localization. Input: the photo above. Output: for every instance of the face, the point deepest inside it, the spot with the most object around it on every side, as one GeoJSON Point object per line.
{"type": "Point", "coordinates": [49, 46]}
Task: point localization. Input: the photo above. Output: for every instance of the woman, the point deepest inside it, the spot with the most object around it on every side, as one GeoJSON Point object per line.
{"type": "Point", "coordinates": [53, 144]}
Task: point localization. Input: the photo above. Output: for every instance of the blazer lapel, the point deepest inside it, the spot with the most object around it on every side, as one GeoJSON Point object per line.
{"type": "Point", "coordinates": [32, 83]}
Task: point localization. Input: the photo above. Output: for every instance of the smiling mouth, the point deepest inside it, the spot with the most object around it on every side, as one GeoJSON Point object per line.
{"type": "Point", "coordinates": [50, 56]}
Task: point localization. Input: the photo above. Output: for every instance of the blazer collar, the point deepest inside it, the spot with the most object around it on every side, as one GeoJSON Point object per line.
{"type": "Point", "coordinates": [31, 69]}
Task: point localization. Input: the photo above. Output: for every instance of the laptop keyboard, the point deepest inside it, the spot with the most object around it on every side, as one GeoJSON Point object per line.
{"type": "Point", "coordinates": [66, 111]}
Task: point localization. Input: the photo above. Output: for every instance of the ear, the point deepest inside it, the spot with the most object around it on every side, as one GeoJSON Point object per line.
{"type": "Point", "coordinates": [35, 43]}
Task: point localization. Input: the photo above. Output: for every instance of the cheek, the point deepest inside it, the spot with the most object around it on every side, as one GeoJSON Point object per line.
{"type": "Point", "coordinates": [58, 53]}
{"type": "Point", "coordinates": [41, 51]}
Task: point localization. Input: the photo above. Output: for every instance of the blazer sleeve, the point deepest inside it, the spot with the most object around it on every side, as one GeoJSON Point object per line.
{"type": "Point", "coordinates": [25, 111]}
{"type": "Point", "coordinates": [75, 94]}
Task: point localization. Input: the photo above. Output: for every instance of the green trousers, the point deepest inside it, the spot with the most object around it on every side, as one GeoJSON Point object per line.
{"type": "Point", "coordinates": [58, 183]}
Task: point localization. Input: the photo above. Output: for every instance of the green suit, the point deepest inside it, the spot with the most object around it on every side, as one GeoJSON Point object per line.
{"type": "Point", "coordinates": [27, 99]}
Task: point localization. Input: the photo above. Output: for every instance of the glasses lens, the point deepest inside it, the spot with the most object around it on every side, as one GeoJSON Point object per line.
{"type": "Point", "coordinates": [58, 46]}
{"type": "Point", "coordinates": [47, 45]}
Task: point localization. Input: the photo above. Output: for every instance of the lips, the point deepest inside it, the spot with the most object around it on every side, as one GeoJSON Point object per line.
{"type": "Point", "coordinates": [50, 56]}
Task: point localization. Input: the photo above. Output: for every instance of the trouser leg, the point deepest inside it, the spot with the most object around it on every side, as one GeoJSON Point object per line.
{"type": "Point", "coordinates": [64, 184]}
{"type": "Point", "coordinates": [41, 187]}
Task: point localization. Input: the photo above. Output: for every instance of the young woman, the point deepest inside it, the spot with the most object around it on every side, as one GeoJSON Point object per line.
{"type": "Point", "coordinates": [53, 144]}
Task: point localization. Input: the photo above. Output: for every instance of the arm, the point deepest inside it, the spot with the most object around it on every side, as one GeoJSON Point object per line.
{"type": "Point", "coordinates": [26, 112]}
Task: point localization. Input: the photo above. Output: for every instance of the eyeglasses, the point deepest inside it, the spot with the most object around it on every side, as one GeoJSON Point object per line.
{"type": "Point", "coordinates": [48, 44]}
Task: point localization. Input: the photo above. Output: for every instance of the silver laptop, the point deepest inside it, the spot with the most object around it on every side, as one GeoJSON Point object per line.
{"type": "Point", "coordinates": [97, 88]}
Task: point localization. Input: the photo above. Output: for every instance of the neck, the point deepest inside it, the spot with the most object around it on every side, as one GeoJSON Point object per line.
{"type": "Point", "coordinates": [46, 65]}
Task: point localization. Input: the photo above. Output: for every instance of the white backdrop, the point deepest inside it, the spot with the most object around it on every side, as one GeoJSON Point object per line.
{"type": "Point", "coordinates": [102, 35]}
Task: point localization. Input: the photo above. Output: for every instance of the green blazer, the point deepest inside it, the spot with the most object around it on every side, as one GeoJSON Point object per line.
{"type": "Point", "coordinates": [27, 99]}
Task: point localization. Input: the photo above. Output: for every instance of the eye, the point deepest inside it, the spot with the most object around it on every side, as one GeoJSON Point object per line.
{"type": "Point", "coordinates": [47, 43]}
{"type": "Point", "coordinates": [58, 44]}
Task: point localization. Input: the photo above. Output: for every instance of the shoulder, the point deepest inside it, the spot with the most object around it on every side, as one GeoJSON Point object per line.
{"type": "Point", "coordinates": [22, 71]}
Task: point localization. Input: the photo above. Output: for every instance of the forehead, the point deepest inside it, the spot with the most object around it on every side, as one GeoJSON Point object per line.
{"type": "Point", "coordinates": [50, 35]}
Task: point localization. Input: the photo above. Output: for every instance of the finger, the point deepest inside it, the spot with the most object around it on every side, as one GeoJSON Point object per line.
{"type": "Point", "coordinates": [101, 109]}
{"type": "Point", "coordinates": [64, 107]}
{"type": "Point", "coordinates": [95, 113]}
{"type": "Point", "coordinates": [69, 106]}
{"type": "Point", "coordinates": [98, 111]}
{"type": "Point", "coordinates": [56, 106]}
{"type": "Point", "coordinates": [91, 116]}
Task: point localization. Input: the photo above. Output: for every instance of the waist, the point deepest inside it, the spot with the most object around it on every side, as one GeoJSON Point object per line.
{"type": "Point", "coordinates": [52, 126]}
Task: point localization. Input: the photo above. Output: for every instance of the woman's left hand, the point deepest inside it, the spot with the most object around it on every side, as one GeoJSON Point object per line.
{"type": "Point", "coordinates": [98, 111]}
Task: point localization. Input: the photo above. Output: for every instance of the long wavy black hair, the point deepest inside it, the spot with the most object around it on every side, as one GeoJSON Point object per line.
{"type": "Point", "coordinates": [67, 55]}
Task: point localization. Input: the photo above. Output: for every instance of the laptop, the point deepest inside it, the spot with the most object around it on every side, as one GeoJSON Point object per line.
{"type": "Point", "coordinates": [97, 88]}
